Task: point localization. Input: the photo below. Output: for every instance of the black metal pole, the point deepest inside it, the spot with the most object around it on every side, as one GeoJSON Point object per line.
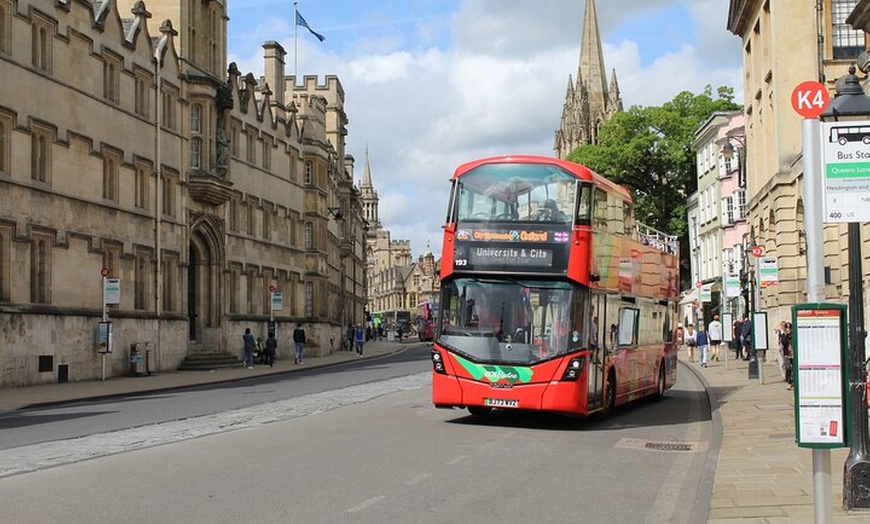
{"type": "Point", "coordinates": [856, 483]}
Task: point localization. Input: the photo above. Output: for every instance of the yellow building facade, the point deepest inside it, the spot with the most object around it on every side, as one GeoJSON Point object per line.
{"type": "Point", "coordinates": [784, 44]}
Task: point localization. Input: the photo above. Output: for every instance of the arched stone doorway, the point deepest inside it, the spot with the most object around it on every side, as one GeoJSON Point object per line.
{"type": "Point", "coordinates": [204, 284]}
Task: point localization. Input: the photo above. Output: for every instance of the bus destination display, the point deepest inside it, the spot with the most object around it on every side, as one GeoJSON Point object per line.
{"type": "Point", "coordinates": [537, 250]}
{"type": "Point", "coordinates": [488, 256]}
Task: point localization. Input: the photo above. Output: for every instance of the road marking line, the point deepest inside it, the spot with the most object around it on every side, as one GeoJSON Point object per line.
{"type": "Point", "coordinates": [457, 460]}
{"type": "Point", "coordinates": [417, 479]}
{"type": "Point", "coordinates": [363, 505]}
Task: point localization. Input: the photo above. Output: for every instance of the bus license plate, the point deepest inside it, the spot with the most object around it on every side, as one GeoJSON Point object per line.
{"type": "Point", "coordinates": [501, 402]}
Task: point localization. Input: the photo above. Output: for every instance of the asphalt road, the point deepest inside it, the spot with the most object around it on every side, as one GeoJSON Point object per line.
{"type": "Point", "coordinates": [363, 447]}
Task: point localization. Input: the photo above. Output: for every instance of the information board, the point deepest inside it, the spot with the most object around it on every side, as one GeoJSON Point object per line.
{"type": "Point", "coordinates": [819, 345]}
{"type": "Point", "coordinates": [846, 171]}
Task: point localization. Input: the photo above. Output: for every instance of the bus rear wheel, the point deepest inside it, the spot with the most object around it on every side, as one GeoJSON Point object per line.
{"type": "Point", "coordinates": [660, 383]}
{"type": "Point", "coordinates": [479, 411]}
{"type": "Point", "coordinates": [609, 394]}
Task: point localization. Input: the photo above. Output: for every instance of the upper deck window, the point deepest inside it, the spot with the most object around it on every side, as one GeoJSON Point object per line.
{"type": "Point", "coordinates": [516, 192]}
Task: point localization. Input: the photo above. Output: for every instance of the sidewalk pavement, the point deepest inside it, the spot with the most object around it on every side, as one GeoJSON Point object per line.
{"type": "Point", "coordinates": [17, 398]}
{"type": "Point", "coordinates": [762, 476]}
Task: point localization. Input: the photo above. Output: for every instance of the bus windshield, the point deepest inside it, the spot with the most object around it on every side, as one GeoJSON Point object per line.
{"type": "Point", "coordinates": [512, 322]}
{"type": "Point", "coordinates": [516, 192]}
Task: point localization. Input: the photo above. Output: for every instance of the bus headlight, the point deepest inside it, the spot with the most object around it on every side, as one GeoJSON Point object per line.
{"type": "Point", "coordinates": [574, 369]}
{"type": "Point", "coordinates": [438, 362]}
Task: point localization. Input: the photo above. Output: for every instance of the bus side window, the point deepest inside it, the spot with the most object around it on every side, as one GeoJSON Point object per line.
{"type": "Point", "coordinates": [584, 205]}
{"type": "Point", "coordinates": [600, 209]}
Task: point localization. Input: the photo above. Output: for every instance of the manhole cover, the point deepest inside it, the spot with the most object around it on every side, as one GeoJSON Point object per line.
{"type": "Point", "coordinates": [661, 445]}
{"type": "Point", "coordinates": [668, 446]}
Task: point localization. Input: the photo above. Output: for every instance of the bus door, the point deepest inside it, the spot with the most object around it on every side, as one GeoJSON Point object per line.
{"type": "Point", "coordinates": [597, 336]}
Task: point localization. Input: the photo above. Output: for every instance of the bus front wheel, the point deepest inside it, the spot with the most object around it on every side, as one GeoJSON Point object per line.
{"type": "Point", "coordinates": [479, 411]}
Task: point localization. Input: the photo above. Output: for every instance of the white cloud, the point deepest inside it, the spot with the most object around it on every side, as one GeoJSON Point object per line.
{"type": "Point", "coordinates": [498, 87]}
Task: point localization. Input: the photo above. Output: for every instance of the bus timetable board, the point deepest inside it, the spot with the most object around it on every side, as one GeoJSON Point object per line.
{"type": "Point", "coordinates": [532, 249]}
{"type": "Point", "coordinates": [819, 374]}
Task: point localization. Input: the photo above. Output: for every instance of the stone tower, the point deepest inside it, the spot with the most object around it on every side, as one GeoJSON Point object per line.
{"type": "Point", "coordinates": [589, 100]}
{"type": "Point", "coordinates": [369, 197]}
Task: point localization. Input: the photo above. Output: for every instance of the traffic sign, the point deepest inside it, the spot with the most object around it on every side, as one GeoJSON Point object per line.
{"type": "Point", "coordinates": [810, 99]}
{"type": "Point", "coordinates": [845, 171]}
{"type": "Point", "coordinates": [272, 289]}
{"type": "Point", "coordinates": [756, 251]}
{"type": "Point", "coordinates": [104, 272]}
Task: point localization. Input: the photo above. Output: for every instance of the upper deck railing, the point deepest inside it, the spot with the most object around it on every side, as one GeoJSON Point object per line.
{"type": "Point", "coordinates": [658, 240]}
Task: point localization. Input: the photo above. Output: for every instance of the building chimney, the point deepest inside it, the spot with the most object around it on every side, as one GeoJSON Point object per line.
{"type": "Point", "coordinates": [275, 70]}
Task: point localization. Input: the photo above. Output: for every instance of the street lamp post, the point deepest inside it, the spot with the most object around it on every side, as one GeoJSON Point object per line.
{"type": "Point", "coordinates": [851, 102]}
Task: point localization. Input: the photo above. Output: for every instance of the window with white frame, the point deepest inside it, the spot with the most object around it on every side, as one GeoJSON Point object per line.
{"type": "Point", "coordinates": [740, 203]}
{"type": "Point", "coordinates": [727, 211]}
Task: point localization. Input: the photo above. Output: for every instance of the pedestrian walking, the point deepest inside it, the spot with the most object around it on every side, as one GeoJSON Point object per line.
{"type": "Point", "coordinates": [702, 342]}
{"type": "Point", "coordinates": [271, 349]}
{"type": "Point", "coordinates": [248, 345]}
{"type": "Point", "coordinates": [788, 355]}
{"type": "Point", "coordinates": [359, 339]}
{"type": "Point", "coordinates": [746, 336]}
{"type": "Point", "coordinates": [299, 341]}
{"type": "Point", "coordinates": [714, 333]}
{"type": "Point", "coordinates": [691, 342]}
{"type": "Point", "coordinates": [780, 350]}
{"type": "Point", "coordinates": [736, 341]}
{"type": "Point", "coordinates": [349, 336]}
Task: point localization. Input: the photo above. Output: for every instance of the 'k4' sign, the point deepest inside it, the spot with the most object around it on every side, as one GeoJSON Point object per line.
{"type": "Point", "coordinates": [846, 171]}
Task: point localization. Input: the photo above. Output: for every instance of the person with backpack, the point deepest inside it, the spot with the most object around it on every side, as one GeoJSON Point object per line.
{"type": "Point", "coordinates": [271, 349]}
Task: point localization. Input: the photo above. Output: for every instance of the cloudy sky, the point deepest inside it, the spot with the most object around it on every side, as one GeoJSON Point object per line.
{"type": "Point", "coordinates": [431, 84]}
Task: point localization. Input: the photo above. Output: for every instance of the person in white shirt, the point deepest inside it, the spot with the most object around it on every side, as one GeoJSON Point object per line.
{"type": "Point", "coordinates": [714, 332]}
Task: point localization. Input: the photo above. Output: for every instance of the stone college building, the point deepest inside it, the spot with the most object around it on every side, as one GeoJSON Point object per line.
{"type": "Point", "coordinates": [138, 169]}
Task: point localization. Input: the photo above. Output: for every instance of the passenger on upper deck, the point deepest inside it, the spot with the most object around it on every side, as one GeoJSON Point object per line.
{"type": "Point", "coordinates": [550, 212]}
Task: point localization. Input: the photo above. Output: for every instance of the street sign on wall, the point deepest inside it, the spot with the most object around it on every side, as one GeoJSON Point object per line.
{"type": "Point", "coordinates": [846, 171]}
{"type": "Point", "coordinates": [767, 272]}
{"type": "Point", "coordinates": [707, 293]}
{"type": "Point", "coordinates": [732, 285]}
{"type": "Point", "coordinates": [112, 291]}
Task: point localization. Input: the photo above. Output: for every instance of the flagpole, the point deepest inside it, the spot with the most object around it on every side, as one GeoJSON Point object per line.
{"type": "Point", "coordinates": [295, 44]}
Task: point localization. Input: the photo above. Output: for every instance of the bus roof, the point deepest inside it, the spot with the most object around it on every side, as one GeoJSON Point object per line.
{"type": "Point", "coordinates": [580, 171]}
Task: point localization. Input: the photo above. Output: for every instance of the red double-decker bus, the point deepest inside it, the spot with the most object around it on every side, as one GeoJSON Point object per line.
{"type": "Point", "coordinates": [553, 297]}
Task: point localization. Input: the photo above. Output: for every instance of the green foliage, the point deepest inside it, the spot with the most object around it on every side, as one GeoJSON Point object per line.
{"type": "Point", "coordinates": [649, 150]}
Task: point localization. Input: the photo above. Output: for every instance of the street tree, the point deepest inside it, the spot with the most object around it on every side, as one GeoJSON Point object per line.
{"type": "Point", "coordinates": [649, 150]}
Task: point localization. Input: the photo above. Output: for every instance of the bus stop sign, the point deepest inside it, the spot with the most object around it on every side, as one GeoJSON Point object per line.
{"type": "Point", "coordinates": [810, 99]}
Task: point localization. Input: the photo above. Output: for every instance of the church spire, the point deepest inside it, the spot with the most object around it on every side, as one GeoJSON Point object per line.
{"type": "Point", "coordinates": [367, 172]}
{"type": "Point", "coordinates": [589, 102]}
{"type": "Point", "coordinates": [368, 196]}
{"type": "Point", "coordinates": [592, 62]}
